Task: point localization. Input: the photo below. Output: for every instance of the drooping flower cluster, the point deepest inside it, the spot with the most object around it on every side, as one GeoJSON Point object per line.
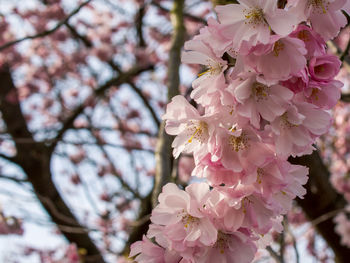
{"type": "Point", "coordinates": [265, 93]}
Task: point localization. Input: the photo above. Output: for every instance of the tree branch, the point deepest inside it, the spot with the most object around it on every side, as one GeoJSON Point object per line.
{"type": "Point", "coordinates": [163, 155]}
{"type": "Point", "coordinates": [321, 199]}
{"type": "Point", "coordinates": [345, 97]}
{"type": "Point", "coordinates": [122, 78]}
{"type": "Point", "coordinates": [35, 160]}
{"type": "Point", "coordinates": [8, 158]}
{"type": "Point", "coordinates": [14, 179]}
{"type": "Point", "coordinates": [139, 25]}
{"type": "Point", "coordinates": [345, 52]}
{"type": "Point", "coordinates": [47, 32]}
{"type": "Point", "coordinates": [87, 42]}
{"type": "Point", "coordinates": [146, 102]}
{"type": "Point", "coordinates": [223, 2]}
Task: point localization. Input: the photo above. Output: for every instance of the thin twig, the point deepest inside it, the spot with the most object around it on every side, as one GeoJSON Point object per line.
{"type": "Point", "coordinates": [274, 254]}
{"type": "Point", "coordinates": [8, 158]}
{"type": "Point", "coordinates": [47, 32]}
{"type": "Point", "coordinates": [289, 231]}
{"type": "Point", "coordinates": [326, 216]}
{"type": "Point", "coordinates": [146, 102]}
{"type": "Point", "coordinates": [345, 52]}
{"type": "Point", "coordinates": [14, 179]}
{"type": "Point", "coordinates": [122, 78]}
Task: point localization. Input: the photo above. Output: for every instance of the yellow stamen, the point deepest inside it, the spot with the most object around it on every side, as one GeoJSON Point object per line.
{"type": "Point", "coordinates": [304, 35]}
{"type": "Point", "coordinates": [260, 173]}
{"type": "Point", "coordinates": [238, 143]}
{"type": "Point", "coordinates": [315, 93]}
{"type": "Point", "coordinates": [197, 130]}
{"type": "Point", "coordinates": [277, 48]}
{"type": "Point", "coordinates": [254, 16]}
{"type": "Point", "coordinates": [319, 5]}
{"type": "Point", "coordinates": [204, 72]}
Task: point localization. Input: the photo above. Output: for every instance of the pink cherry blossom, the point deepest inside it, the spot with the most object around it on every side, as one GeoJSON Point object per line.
{"type": "Point", "coordinates": [314, 43]}
{"type": "Point", "coordinates": [257, 99]}
{"type": "Point", "coordinates": [253, 20]}
{"type": "Point", "coordinates": [239, 148]}
{"type": "Point", "coordinates": [230, 248]}
{"type": "Point", "coordinates": [296, 129]}
{"type": "Point", "coordinates": [183, 120]}
{"type": "Point", "coordinates": [215, 172]}
{"type": "Point", "coordinates": [265, 103]}
{"type": "Point", "coordinates": [212, 36]}
{"type": "Point", "coordinates": [325, 16]}
{"type": "Point", "coordinates": [324, 68]}
{"type": "Point", "coordinates": [147, 252]}
{"type": "Point", "coordinates": [325, 95]}
{"type": "Point", "coordinates": [181, 214]}
{"type": "Point", "coordinates": [270, 59]}
{"type": "Point", "coordinates": [200, 53]}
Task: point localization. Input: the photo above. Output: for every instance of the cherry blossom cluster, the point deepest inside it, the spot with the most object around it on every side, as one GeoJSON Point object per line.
{"type": "Point", "coordinates": [265, 95]}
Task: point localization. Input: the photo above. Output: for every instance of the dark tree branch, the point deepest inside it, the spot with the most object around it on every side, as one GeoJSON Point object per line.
{"type": "Point", "coordinates": [321, 199]}
{"type": "Point", "coordinates": [87, 42]}
{"type": "Point", "coordinates": [345, 97]}
{"type": "Point", "coordinates": [164, 158]}
{"type": "Point", "coordinates": [14, 179]}
{"type": "Point", "coordinates": [274, 254]}
{"type": "Point", "coordinates": [35, 160]}
{"type": "Point", "coordinates": [139, 93]}
{"type": "Point", "coordinates": [345, 52]}
{"type": "Point", "coordinates": [8, 158]}
{"type": "Point", "coordinates": [139, 25]}
{"type": "Point", "coordinates": [223, 2]}
{"type": "Point", "coordinates": [47, 32]}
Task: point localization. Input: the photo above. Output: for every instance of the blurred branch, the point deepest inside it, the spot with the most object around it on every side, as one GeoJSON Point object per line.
{"type": "Point", "coordinates": [8, 158]}
{"type": "Point", "coordinates": [120, 146]}
{"type": "Point", "coordinates": [164, 158]}
{"type": "Point", "coordinates": [345, 52]}
{"type": "Point", "coordinates": [274, 254]}
{"type": "Point", "coordinates": [223, 2]}
{"type": "Point", "coordinates": [35, 160]}
{"type": "Point", "coordinates": [289, 231]}
{"type": "Point", "coordinates": [282, 241]}
{"type": "Point", "coordinates": [47, 32]}
{"type": "Point", "coordinates": [322, 199]}
{"type": "Point", "coordinates": [139, 25]}
{"type": "Point", "coordinates": [337, 51]}
{"type": "Point", "coordinates": [14, 179]}
{"type": "Point", "coordinates": [326, 216]}
{"type": "Point", "coordinates": [139, 93]}
{"type": "Point", "coordinates": [123, 77]}
{"type": "Point", "coordinates": [117, 175]}
{"type": "Point", "coordinates": [345, 97]}
{"type": "Point", "coordinates": [87, 42]}
{"type": "Point", "coordinates": [146, 102]}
